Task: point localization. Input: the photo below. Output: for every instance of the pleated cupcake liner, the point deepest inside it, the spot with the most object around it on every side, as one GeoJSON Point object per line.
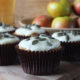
{"type": "Point", "coordinates": [40, 63]}
{"type": "Point", "coordinates": [8, 55]}
{"type": "Point", "coordinates": [71, 51]}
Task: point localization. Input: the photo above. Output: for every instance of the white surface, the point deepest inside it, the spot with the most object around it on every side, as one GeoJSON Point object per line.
{"type": "Point", "coordinates": [16, 73]}
{"type": "Point", "coordinates": [41, 45]}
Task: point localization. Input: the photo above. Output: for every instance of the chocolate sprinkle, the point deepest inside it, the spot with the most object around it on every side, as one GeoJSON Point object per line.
{"type": "Point", "coordinates": [34, 42]}
{"type": "Point", "coordinates": [1, 24]}
{"type": "Point", "coordinates": [6, 36]}
{"type": "Point", "coordinates": [61, 34]}
{"type": "Point", "coordinates": [0, 36]}
{"type": "Point", "coordinates": [49, 43]}
{"type": "Point", "coordinates": [44, 35]}
{"type": "Point", "coordinates": [28, 39]}
{"type": "Point", "coordinates": [76, 33]}
{"type": "Point", "coordinates": [37, 26]}
{"type": "Point", "coordinates": [67, 37]}
{"type": "Point", "coordinates": [50, 37]}
{"type": "Point", "coordinates": [37, 37]}
{"type": "Point", "coordinates": [30, 25]}
{"type": "Point", "coordinates": [42, 39]}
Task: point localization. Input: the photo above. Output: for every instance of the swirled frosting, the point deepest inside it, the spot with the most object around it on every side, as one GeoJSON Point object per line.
{"type": "Point", "coordinates": [29, 29]}
{"type": "Point", "coordinates": [39, 43]}
{"type": "Point", "coordinates": [67, 36]}
{"type": "Point", "coordinates": [7, 38]}
{"type": "Point", "coordinates": [6, 28]}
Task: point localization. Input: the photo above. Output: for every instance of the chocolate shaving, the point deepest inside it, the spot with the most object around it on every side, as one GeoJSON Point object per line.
{"type": "Point", "coordinates": [37, 26]}
{"type": "Point", "coordinates": [49, 43]}
{"type": "Point", "coordinates": [67, 37]}
{"type": "Point", "coordinates": [1, 24]}
{"type": "Point", "coordinates": [61, 34]}
{"type": "Point", "coordinates": [28, 39]}
{"type": "Point", "coordinates": [44, 35]}
{"type": "Point", "coordinates": [34, 42]}
{"type": "Point", "coordinates": [42, 39]}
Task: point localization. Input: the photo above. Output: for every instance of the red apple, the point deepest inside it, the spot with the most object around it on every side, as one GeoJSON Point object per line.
{"type": "Point", "coordinates": [62, 22]}
{"type": "Point", "coordinates": [78, 22]}
{"type": "Point", "coordinates": [43, 21]}
{"type": "Point", "coordinates": [76, 6]}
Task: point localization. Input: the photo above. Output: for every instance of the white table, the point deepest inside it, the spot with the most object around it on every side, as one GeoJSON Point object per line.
{"type": "Point", "coordinates": [67, 70]}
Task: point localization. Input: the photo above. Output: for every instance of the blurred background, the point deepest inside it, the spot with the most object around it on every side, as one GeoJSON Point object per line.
{"type": "Point", "coordinates": [28, 9]}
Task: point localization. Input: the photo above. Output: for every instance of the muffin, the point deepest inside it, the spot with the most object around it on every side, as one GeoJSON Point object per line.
{"type": "Point", "coordinates": [29, 30]}
{"type": "Point", "coordinates": [70, 41]}
{"type": "Point", "coordinates": [6, 28]}
{"type": "Point", "coordinates": [8, 54]}
{"type": "Point", "coordinates": [39, 55]}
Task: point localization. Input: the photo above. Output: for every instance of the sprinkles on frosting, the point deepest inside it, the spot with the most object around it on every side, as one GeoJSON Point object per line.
{"type": "Point", "coordinates": [67, 36]}
{"type": "Point", "coordinates": [39, 43]}
{"type": "Point", "coordinates": [29, 30]}
{"type": "Point", "coordinates": [6, 38]}
{"type": "Point", "coordinates": [6, 27]}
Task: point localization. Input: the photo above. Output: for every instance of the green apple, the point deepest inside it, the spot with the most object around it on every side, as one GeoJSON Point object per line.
{"type": "Point", "coordinates": [58, 9]}
{"type": "Point", "coordinates": [55, 9]}
{"type": "Point", "coordinates": [67, 7]}
{"type": "Point", "coordinates": [62, 22]}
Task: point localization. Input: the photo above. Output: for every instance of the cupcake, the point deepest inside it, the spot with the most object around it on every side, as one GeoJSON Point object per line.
{"type": "Point", "coordinates": [29, 30]}
{"type": "Point", "coordinates": [70, 41]}
{"type": "Point", "coordinates": [39, 55]}
{"type": "Point", "coordinates": [8, 54]}
{"type": "Point", "coordinates": [6, 28]}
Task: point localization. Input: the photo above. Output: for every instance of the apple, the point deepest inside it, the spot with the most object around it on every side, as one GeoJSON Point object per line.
{"type": "Point", "coordinates": [43, 21]}
{"type": "Point", "coordinates": [76, 6]}
{"type": "Point", "coordinates": [57, 9]}
{"type": "Point", "coordinates": [62, 22]}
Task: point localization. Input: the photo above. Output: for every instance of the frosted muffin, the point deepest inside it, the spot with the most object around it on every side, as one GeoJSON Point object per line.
{"type": "Point", "coordinates": [39, 55]}
{"type": "Point", "coordinates": [6, 28]}
{"type": "Point", "coordinates": [70, 41]}
{"type": "Point", "coordinates": [8, 54]}
{"type": "Point", "coordinates": [29, 30]}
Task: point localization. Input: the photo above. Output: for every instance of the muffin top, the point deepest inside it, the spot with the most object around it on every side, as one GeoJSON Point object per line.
{"type": "Point", "coordinates": [6, 27]}
{"type": "Point", "coordinates": [39, 43]}
{"type": "Point", "coordinates": [7, 38]}
{"type": "Point", "coordinates": [67, 36]}
{"type": "Point", "coordinates": [29, 29]}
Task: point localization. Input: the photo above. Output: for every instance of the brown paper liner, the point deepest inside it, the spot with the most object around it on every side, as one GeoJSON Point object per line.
{"type": "Point", "coordinates": [40, 63]}
{"type": "Point", "coordinates": [71, 51]}
{"type": "Point", "coordinates": [8, 54]}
